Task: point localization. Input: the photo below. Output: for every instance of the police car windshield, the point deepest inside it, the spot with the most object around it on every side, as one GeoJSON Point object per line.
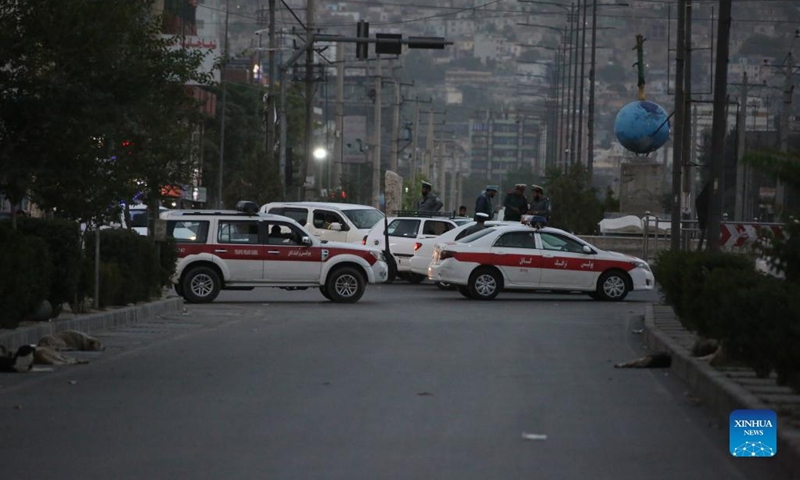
{"type": "Point", "coordinates": [364, 219]}
{"type": "Point", "coordinates": [475, 236]}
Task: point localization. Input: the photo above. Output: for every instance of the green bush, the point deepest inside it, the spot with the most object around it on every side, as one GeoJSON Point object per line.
{"type": "Point", "coordinates": [63, 239]}
{"type": "Point", "coordinates": [25, 280]}
{"type": "Point", "coordinates": [135, 258]}
{"type": "Point", "coordinates": [111, 285]}
{"type": "Point", "coordinates": [682, 277]}
{"type": "Point", "coordinates": [745, 310]}
{"type": "Point", "coordinates": [169, 260]}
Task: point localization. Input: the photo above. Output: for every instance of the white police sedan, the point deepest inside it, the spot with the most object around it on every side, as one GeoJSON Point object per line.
{"type": "Point", "coordinates": [521, 257]}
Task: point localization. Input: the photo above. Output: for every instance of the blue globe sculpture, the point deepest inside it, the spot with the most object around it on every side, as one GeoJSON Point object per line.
{"type": "Point", "coordinates": [642, 127]}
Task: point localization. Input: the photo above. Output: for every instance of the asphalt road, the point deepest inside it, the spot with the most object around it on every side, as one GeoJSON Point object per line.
{"type": "Point", "coordinates": [410, 383]}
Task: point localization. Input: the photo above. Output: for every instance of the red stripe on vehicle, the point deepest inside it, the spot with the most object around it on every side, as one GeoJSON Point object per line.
{"type": "Point", "coordinates": [276, 253]}
{"type": "Point", "coordinates": [538, 261]}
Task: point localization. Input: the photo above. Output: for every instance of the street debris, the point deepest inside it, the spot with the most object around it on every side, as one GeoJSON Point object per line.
{"type": "Point", "coordinates": [73, 382]}
{"type": "Point", "coordinates": [424, 394]}
{"type": "Point", "coordinates": [533, 436]}
{"type": "Point", "coordinates": [638, 332]}
{"type": "Point", "coordinates": [655, 360]}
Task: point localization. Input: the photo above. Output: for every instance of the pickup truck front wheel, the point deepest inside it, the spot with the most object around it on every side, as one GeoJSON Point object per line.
{"type": "Point", "coordinates": [345, 285]}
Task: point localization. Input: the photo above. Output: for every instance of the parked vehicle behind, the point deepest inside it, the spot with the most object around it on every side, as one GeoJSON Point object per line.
{"type": "Point", "coordinates": [335, 222]}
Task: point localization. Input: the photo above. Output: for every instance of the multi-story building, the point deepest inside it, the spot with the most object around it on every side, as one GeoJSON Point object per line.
{"type": "Point", "coordinates": [505, 142]}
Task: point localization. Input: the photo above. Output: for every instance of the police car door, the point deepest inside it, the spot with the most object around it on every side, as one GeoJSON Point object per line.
{"type": "Point", "coordinates": [516, 255]}
{"type": "Point", "coordinates": [564, 263]}
{"type": "Point", "coordinates": [238, 246]}
{"type": "Point", "coordinates": [288, 260]}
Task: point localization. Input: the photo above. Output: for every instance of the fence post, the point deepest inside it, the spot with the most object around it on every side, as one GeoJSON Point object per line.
{"type": "Point", "coordinates": [646, 239]}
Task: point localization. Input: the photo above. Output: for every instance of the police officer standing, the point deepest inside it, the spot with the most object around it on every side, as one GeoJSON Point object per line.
{"type": "Point", "coordinates": [540, 205]}
{"type": "Point", "coordinates": [515, 203]}
{"type": "Point", "coordinates": [484, 202]}
{"type": "Point", "coordinates": [429, 202]}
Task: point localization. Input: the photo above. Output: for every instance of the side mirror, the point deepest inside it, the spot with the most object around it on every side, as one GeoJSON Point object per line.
{"type": "Point", "coordinates": [306, 241]}
{"type": "Point", "coordinates": [587, 249]}
{"type": "Point", "coordinates": [335, 226]}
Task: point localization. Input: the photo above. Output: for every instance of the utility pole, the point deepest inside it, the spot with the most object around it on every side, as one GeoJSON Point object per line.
{"type": "Point", "coordinates": [442, 169]}
{"type": "Point", "coordinates": [414, 143]}
{"type": "Point", "coordinates": [395, 126]}
{"type": "Point", "coordinates": [224, 99]}
{"type": "Point", "coordinates": [309, 170]}
{"type": "Point", "coordinates": [741, 169]}
{"type": "Point", "coordinates": [271, 91]}
{"type": "Point", "coordinates": [376, 152]}
{"type": "Point", "coordinates": [339, 142]}
{"type": "Point", "coordinates": [687, 142]}
{"type": "Point", "coordinates": [580, 94]}
{"type": "Point", "coordinates": [590, 125]}
{"type": "Point", "coordinates": [572, 145]}
{"type": "Point", "coordinates": [455, 166]}
{"type": "Point", "coordinates": [788, 91]}
{"type": "Point", "coordinates": [680, 116]}
{"type": "Point", "coordinates": [718, 126]}
{"type": "Point", "coordinates": [426, 170]}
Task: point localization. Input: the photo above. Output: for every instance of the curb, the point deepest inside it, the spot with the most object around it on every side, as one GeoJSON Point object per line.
{"type": "Point", "coordinates": [720, 392]}
{"type": "Point", "coordinates": [93, 322]}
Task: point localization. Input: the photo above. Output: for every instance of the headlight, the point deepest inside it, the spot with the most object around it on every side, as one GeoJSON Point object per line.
{"type": "Point", "coordinates": [378, 255]}
{"type": "Point", "coordinates": [640, 264]}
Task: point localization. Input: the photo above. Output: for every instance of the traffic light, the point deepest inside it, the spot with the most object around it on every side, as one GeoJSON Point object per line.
{"type": "Point", "coordinates": [389, 48]}
{"type": "Point", "coordinates": [362, 48]}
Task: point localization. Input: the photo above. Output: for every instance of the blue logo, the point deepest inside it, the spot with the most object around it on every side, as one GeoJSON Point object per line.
{"type": "Point", "coordinates": [753, 433]}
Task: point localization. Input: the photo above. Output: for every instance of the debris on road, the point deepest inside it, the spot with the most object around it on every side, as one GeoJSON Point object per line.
{"type": "Point", "coordinates": [533, 436]}
{"type": "Point", "coordinates": [656, 360]}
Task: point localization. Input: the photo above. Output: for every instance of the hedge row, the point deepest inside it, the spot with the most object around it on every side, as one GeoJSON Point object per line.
{"type": "Point", "coordinates": [48, 260]}
{"type": "Point", "coordinates": [721, 296]}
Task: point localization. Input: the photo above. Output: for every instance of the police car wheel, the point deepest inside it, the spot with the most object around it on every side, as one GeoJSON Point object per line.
{"type": "Point", "coordinates": [324, 292]}
{"type": "Point", "coordinates": [484, 284]}
{"type": "Point", "coordinates": [445, 286]}
{"type": "Point", "coordinates": [613, 286]}
{"type": "Point", "coordinates": [201, 285]}
{"type": "Point", "coordinates": [345, 285]}
{"type": "Point", "coordinates": [464, 291]}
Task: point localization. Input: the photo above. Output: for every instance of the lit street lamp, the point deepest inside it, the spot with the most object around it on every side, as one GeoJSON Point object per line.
{"type": "Point", "coordinates": [320, 154]}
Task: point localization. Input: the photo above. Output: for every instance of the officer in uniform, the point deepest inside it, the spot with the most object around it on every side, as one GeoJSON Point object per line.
{"type": "Point", "coordinates": [540, 205]}
{"type": "Point", "coordinates": [515, 203]}
{"type": "Point", "coordinates": [484, 202]}
{"type": "Point", "coordinates": [480, 218]}
{"type": "Point", "coordinates": [429, 202]}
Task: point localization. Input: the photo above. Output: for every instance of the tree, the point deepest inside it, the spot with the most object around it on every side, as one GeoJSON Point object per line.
{"type": "Point", "coordinates": [575, 205]}
{"type": "Point", "coordinates": [80, 79]}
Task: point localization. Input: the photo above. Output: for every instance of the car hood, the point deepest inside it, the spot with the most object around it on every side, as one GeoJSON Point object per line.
{"type": "Point", "coordinates": [623, 256]}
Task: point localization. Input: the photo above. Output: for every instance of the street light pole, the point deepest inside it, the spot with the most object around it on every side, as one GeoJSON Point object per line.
{"type": "Point", "coordinates": [590, 126]}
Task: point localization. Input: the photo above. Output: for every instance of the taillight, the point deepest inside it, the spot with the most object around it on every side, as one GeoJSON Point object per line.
{"type": "Point", "coordinates": [364, 240]}
{"type": "Point", "coordinates": [417, 246]}
{"type": "Point", "coordinates": [445, 254]}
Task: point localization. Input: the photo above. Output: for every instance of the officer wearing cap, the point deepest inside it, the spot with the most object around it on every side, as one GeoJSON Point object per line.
{"type": "Point", "coordinates": [484, 202]}
{"type": "Point", "coordinates": [429, 201]}
{"type": "Point", "coordinates": [515, 203]}
{"type": "Point", "coordinates": [480, 218]}
{"type": "Point", "coordinates": [540, 205]}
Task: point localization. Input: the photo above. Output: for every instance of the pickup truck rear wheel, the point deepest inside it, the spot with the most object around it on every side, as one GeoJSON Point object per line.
{"type": "Point", "coordinates": [345, 285]}
{"type": "Point", "coordinates": [464, 291]}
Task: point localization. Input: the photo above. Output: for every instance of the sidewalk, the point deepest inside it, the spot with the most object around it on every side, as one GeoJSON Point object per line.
{"type": "Point", "coordinates": [31, 332]}
{"type": "Point", "coordinates": [725, 389]}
